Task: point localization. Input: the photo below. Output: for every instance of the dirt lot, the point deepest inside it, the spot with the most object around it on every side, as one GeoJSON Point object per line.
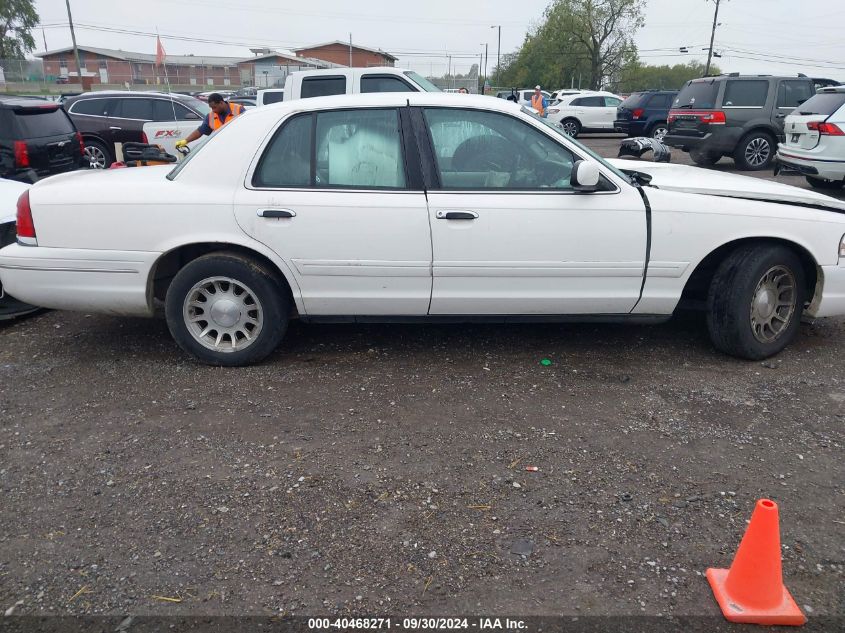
{"type": "Point", "coordinates": [382, 469]}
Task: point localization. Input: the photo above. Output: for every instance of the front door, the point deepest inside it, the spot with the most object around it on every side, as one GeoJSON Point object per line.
{"type": "Point", "coordinates": [512, 237]}
{"type": "Point", "coordinates": [332, 196]}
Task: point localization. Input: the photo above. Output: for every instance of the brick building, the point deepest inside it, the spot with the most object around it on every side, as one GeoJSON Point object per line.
{"type": "Point", "coordinates": [337, 52]}
{"type": "Point", "coordinates": [270, 68]}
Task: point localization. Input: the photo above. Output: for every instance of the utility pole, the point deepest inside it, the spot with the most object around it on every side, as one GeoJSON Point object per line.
{"type": "Point", "coordinates": [498, 50]}
{"type": "Point", "coordinates": [712, 38]}
{"type": "Point", "coordinates": [73, 39]}
{"type": "Point", "coordinates": [44, 35]}
{"type": "Point", "coordinates": [350, 50]}
{"type": "Point", "coordinates": [485, 63]}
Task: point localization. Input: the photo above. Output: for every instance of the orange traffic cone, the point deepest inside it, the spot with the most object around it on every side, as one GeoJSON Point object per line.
{"type": "Point", "coordinates": [752, 590]}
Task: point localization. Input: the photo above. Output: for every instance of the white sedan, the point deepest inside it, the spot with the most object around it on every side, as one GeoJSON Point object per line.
{"type": "Point", "coordinates": [814, 142]}
{"type": "Point", "coordinates": [428, 207]}
{"type": "Point", "coordinates": [585, 112]}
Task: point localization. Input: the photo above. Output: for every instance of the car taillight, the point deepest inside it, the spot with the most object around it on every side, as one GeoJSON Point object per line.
{"type": "Point", "coordinates": [25, 225]}
{"type": "Point", "coordinates": [637, 113]}
{"type": "Point", "coordinates": [21, 154]}
{"type": "Point", "coordinates": [825, 129]}
{"type": "Point", "coordinates": [144, 138]}
{"type": "Point", "coordinates": [81, 143]}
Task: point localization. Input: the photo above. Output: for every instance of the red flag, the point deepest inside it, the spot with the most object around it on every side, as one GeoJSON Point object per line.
{"type": "Point", "coordinates": [160, 54]}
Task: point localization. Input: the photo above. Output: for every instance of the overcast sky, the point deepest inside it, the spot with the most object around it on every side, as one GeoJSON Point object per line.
{"type": "Point", "coordinates": [755, 36]}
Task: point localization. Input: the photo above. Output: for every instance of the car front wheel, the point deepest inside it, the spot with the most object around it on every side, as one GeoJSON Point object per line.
{"type": "Point", "coordinates": [226, 309]}
{"type": "Point", "coordinates": [755, 152]}
{"type": "Point", "coordinates": [755, 301]}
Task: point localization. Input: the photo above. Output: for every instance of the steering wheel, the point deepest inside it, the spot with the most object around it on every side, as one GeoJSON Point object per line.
{"type": "Point", "coordinates": [484, 153]}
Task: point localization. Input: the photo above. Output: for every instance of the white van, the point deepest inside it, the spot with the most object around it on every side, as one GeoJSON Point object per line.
{"type": "Point", "coordinates": [338, 81]}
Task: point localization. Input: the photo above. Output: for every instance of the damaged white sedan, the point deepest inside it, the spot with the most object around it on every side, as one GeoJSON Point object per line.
{"type": "Point", "coordinates": [422, 206]}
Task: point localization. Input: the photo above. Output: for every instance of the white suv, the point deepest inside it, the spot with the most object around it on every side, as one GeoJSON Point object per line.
{"type": "Point", "coordinates": [815, 139]}
{"type": "Point", "coordinates": [587, 111]}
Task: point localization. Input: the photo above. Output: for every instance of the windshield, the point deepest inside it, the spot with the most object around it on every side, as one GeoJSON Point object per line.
{"type": "Point", "coordinates": [559, 131]}
{"type": "Point", "coordinates": [698, 95]}
{"type": "Point", "coordinates": [184, 160]}
{"type": "Point", "coordinates": [422, 82]}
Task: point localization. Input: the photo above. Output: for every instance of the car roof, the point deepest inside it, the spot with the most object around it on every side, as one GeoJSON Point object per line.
{"type": "Point", "coordinates": [25, 102]}
{"type": "Point", "coordinates": [396, 99]}
{"type": "Point", "coordinates": [128, 93]}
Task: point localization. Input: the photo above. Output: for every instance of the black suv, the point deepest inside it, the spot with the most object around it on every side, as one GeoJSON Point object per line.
{"type": "Point", "coordinates": [645, 113]}
{"type": "Point", "coordinates": [109, 117]}
{"type": "Point", "coordinates": [735, 115]}
{"type": "Point", "coordinates": [37, 139]}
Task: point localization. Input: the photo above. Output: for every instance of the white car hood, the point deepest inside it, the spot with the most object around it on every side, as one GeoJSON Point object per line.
{"type": "Point", "coordinates": [688, 179]}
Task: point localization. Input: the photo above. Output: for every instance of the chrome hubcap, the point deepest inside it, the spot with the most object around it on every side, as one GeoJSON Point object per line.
{"type": "Point", "coordinates": [773, 304]}
{"type": "Point", "coordinates": [757, 152]}
{"type": "Point", "coordinates": [222, 314]}
{"type": "Point", "coordinates": [660, 132]}
{"type": "Point", "coordinates": [570, 128]}
{"type": "Point", "coordinates": [95, 157]}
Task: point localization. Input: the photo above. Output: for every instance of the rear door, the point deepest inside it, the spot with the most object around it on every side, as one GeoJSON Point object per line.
{"type": "Point", "coordinates": [609, 111]}
{"type": "Point", "coordinates": [127, 120]}
{"type": "Point", "coordinates": [748, 101]}
{"type": "Point", "coordinates": [338, 195]}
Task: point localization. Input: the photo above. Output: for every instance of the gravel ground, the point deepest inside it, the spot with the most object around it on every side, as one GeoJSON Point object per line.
{"type": "Point", "coordinates": [382, 469]}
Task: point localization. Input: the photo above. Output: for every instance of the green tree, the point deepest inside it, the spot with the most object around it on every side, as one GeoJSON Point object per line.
{"type": "Point", "coordinates": [17, 19]}
{"type": "Point", "coordinates": [638, 76]}
{"type": "Point", "coordinates": [585, 41]}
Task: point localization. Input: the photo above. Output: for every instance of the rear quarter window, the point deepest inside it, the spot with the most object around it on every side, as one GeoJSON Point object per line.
{"type": "Point", "coordinates": [746, 94]}
{"type": "Point", "coordinates": [634, 101]}
{"type": "Point", "coordinates": [697, 95]}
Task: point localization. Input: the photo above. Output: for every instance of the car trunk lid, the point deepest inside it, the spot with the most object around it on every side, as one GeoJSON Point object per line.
{"type": "Point", "coordinates": [50, 138]}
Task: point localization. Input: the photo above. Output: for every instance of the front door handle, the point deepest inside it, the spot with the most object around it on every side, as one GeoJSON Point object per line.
{"type": "Point", "coordinates": [276, 213]}
{"type": "Point", "coordinates": [457, 215]}
{"type": "Point", "coordinates": [114, 127]}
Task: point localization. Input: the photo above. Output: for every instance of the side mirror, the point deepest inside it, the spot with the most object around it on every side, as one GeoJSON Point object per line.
{"type": "Point", "coordinates": [585, 176]}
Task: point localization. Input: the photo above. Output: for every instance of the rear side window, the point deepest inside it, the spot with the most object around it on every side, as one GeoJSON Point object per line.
{"type": "Point", "coordinates": [38, 123]}
{"type": "Point", "coordinates": [384, 84]}
{"type": "Point", "coordinates": [91, 107]}
{"type": "Point", "coordinates": [589, 102]}
{"type": "Point", "coordinates": [791, 94]}
{"type": "Point", "coordinates": [825, 103]}
{"type": "Point", "coordinates": [746, 94]}
{"type": "Point", "coordinates": [660, 102]}
{"type": "Point", "coordinates": [141, 109]}
{"type": "Point", "coordinates": [273, 97]}
{"type": "Point", "coordinates": [322, 86]}
{"type": "Point", "coordinates": [287, 160]}
{"type": "Point", "coordinates": [697, 95]}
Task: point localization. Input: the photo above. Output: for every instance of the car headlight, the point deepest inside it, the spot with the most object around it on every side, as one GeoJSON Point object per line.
{"type": "Point", "coordinates": [553, 110]}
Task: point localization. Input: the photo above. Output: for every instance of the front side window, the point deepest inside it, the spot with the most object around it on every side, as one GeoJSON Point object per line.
{"type": "Point", "coordinates": [172, 111]}
{"type": "Point", "coordinates": [482, 150]}
{"type": "Point", "coordinates": [422, 82]}
{"type": "Point", "coordinates": [384, 83]}
{"type": "Point", "coordinates": [791, 94]}
{"type": "Point", "coordinates": [357, 149]}
{"type": "Point", "coordinates": [746, 94]}
{"type": "Point", "coordinates": [323, 86]}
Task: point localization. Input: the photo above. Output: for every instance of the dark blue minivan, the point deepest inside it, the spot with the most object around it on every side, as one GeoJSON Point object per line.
{"type": "Point", "coordinates": [645, 113]}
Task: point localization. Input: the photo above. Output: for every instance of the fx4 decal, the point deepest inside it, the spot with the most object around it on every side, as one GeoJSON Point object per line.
{"type": "Point", "coordinates": [168, 133]}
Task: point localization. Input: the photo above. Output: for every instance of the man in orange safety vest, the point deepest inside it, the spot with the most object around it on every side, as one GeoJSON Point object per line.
{"type": "Point", "coordinates": [539, 102]}
{"type": "Point", "coordinates": [221, 113]}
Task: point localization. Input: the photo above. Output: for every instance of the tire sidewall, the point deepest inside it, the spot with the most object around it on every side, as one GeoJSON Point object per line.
{"type": "Point", "coordinates": [268, 293]}
{"type": "Point", "coordinates": [653, 132]}
{"type": "Point", "coordinates": [739, 154]}
{"type": "Point", "coordinates": [731, 306]}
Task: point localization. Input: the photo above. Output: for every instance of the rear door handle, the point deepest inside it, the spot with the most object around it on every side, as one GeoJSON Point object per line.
{"type": "Point", "coordinates": [114, 127]}
{"type": "Point", "coordinates": [456, 215]}
{"type": "Point", "coordinates": [276, 213]}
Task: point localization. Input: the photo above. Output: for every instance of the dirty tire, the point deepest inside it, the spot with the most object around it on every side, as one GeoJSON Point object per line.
{"type": "Point", "coordinates": [262, 299]}
{"type": "Point", "coordinates": [755, 151]}
{"type": "Point", "coordinates": [704, 159]}
{"type": "Point", "coordinates": [734, 293]}
{"type": "Point", "coordinates": [827, 185]}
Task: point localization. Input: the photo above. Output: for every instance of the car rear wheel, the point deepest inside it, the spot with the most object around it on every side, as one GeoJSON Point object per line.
{"type": "Point", "coordinates": [705, 159]}
{"type": "Point", "coordinates": [755, 152]}
{"type": "Point", "coordinates": [226, 309]}
{"type": "Point", "coordinates": [755, 301]}
{"type": "Point", "coordinates": [571, 127]}
{"type": "Point", "coordinates": [96, 155]}
{"type": "Point", "coordinates": [659, 131]}
{"type": "Point", "coordinates": [818, 183]}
